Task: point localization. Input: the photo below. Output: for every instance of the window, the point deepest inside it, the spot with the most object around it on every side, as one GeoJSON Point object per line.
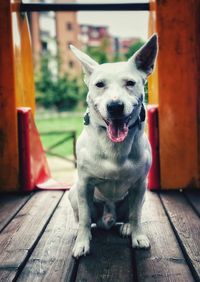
{"type": "Point", "coordinates": [71, 64]}
{"type": "Point", "coordinates": [44, 45]}
{"type": "Point", "coordinates": [69, 26]}
{"type": "Point", "coordinates": [45, 33]}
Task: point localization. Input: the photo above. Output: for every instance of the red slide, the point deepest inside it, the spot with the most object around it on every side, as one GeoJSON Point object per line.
{"type": "Point", "coordinates": [153, 132]}
{"type": "Point", "coordinates": [34, 169]}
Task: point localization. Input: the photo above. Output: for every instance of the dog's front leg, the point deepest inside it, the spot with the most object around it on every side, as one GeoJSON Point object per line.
{"type": "Point", "coordinates": [136, 200]}
{"type": "Point", "coordinates": [85, 201]}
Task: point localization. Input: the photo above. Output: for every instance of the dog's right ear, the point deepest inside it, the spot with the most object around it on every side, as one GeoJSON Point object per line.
{"type": "Point", "coordinates": [88, 64]}
{"type": "Point", "coordinates": [145, 57]}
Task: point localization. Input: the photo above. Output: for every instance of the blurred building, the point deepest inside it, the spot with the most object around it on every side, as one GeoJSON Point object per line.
{"type": "Point", "coordinates": [91, 35]}
{"type": "Point", "coordinates": [53, 32]}
{"type": "Point", "coordinates": [99, 36]}
{"type": "Point", "coordinates": [126, 43]}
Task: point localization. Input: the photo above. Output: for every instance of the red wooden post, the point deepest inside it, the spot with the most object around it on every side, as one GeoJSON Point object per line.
{"type": "Point", "coordinates": [154, 173]}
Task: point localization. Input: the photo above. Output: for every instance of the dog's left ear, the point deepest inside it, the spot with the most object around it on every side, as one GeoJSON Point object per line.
{"type": "Point", "coordinates": [88, 64]}
{"type": "Point", "coordinates": [144, 58]}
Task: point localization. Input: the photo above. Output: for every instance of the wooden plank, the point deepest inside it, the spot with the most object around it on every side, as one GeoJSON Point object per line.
{"type": "Point", "coordinates": [110, 259]}
{"type": "Point", "coordinates": [178, 122]}
{"type": "Point", "coordinates": [7, 275]}
{"type": "Point", "coordinates": [164, 261]}
{"type": "Point", "coordinates": [9, 206]}
{"type": "Point", "coordinates": [9, 159]}
{"type": "Point", "coordinates": [16, 87]}
{"type": "Point", "coordinates": [52, 259]}
{"type": "Point", "coordinates": [19, 238]}
{"type": "Point", "coordinates": [153, 94]}
{"type": "Point", "coordinates": [187, 227]}
{"type": "Point", "coordinates": [23, 63]}
{"type": "Point", "coordinates": [194, 198]}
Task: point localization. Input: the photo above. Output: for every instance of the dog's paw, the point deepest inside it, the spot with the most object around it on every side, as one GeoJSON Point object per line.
{"type": "Point", "coordinates": [125, 229]}
{"type": "Point", "coordinates": [140, 241]}
{"type": "Point", "coordinates": [81, 248]}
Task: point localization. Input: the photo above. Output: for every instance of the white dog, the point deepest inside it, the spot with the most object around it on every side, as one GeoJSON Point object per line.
{"type": "Point", "coordinates": [113, 152]}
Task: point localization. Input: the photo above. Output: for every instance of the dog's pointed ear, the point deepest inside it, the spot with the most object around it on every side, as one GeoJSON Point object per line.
{"type": "Point", "coordinates": [144, 58]}
{"type": "Point", "coordinates": [87, 63]}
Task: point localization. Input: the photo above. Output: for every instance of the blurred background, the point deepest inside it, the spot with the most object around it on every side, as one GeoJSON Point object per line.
{"type": "Point", "coordinates": [60, 91]}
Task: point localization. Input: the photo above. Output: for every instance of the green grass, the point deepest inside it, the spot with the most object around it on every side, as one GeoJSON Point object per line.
{"type": "Point", "coordinates": [59, 124]}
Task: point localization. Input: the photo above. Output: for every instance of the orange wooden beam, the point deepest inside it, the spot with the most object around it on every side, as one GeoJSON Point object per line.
{"type": "Point", "coordinates": [153, 96]}
{"type": "Point", "coordinates": [8, 121]}
{"type": "Point", "coordinates": [178, 87]}
{"type": "Point", "coordinates": [16, 87]}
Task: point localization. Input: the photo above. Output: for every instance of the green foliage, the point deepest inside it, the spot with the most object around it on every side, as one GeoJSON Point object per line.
{"type": "Point", "coordinates": [44, 84]}
{"type": "Point", "coordinates": [146, 95]}
{"type": "Point", "coordinates": [67, 93]}
{"type": "Point", "coordinates": [69, 122]}
{"type": "Point", "coordinates": [134, 48]}
{"type": "Point", "coordinates": [99, 53]}
{"type": "Point", "coordinates": [57, 91]}
{"type": "Point", "coordinates": [63, 92]}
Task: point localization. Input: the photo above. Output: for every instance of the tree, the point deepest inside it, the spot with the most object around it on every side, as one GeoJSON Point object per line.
{"type": "Point", "coordinates": [133, 48]}
{"type": "Point", "coordinates": [56, 91]}
{"type": "Point", "coordinates": [99, 53]}
{"type": "Point", "coordinates": [44, 83]}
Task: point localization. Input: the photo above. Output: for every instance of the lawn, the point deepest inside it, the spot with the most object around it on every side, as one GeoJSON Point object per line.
{"type": "Point", "coordinates": [69, 122]}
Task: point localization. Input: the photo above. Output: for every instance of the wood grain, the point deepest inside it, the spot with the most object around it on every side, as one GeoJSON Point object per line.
{"type": "Point", "coordinates": [110, 259]}
{"type": "Point", "coordinates": [9, 206]}
{"type": "Point", "coordinates": [52, 259]}
{"type": "Point", "coordinates": [37, 244]}
{"type": "Point", "coordinates": [9, 159]}
{"type": "Point", "coordinates": [164, 261]}
{"type": "Point", "coordinates": [178, 90]}
{"type": "Point", "coordinates": [194, 198]}
{"type": "Point", "coordinates": [187, 227]}
{"type": "Point", "coordinates": [16, 87]}
{"type": "Point", "coordinates": [7, 274]}
{"type": "Point", "coordinates": [19, 238]}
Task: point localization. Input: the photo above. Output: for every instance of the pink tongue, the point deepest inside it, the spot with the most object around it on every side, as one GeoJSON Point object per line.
{"type": "Point", "coordinates": [117, 131]}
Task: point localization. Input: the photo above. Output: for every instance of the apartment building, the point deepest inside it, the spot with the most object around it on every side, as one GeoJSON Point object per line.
{"type": "Point", "coordinates": [53, 32]}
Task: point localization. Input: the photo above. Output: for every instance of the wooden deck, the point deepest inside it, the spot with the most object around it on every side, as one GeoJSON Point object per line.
{"type": "Point", "coordinates": [38, 234]}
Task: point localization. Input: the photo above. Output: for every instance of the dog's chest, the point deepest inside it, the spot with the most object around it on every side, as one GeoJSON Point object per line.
{"type": "Point", "coordinates": [111, 190]}
{"type": "Point", "coordinates": [108, 170]}
{"type": "Point", "coordinates": [114, 180]}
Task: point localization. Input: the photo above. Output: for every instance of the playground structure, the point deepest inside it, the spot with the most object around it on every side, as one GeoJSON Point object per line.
{"type": "Point", "coordinates": [173, 87]}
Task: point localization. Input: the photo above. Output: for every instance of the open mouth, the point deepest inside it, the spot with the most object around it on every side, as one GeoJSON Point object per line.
{"type": "Point", "coordinates": [117, 129]}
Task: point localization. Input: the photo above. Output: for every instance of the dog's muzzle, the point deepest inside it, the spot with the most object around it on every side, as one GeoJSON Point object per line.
{"type": "Point", "coordinates": [117, 128]}
{"type": "Point", "coordinates": [117, 125]}
{"type": "Point", "coordinates": [115, 109]}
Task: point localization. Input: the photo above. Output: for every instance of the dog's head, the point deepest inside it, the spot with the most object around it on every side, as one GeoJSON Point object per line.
{"type": "Point", "coordinates": [116, 90]}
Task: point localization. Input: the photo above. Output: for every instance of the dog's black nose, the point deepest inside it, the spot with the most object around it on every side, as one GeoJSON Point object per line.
{"type": "Point", "coordinates": [115, 108]}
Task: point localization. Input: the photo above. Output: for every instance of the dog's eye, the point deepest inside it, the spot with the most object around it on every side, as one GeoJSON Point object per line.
{"type": "Point", "coordinates": [100, 84]}
{"type": "Point", "coordinates": [130, 83]}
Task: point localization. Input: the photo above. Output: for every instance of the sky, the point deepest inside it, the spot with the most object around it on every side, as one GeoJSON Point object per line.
{"type": "Point", "coordinates": [123, 24]}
